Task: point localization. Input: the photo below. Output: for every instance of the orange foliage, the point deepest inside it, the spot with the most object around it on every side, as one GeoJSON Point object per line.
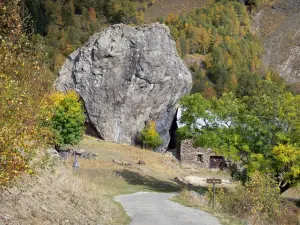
{"type": "Point", "coordinates": [92, 14]}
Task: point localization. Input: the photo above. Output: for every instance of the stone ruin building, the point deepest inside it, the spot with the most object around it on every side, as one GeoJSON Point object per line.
{"type": "Point", "coordinates": [202, 157]}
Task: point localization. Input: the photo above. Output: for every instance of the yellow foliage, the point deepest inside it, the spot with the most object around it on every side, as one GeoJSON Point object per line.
{"type": "Point", "coordinates": [63, 114]}
{"type": "Point", "coordinates": [172, 18]}
{"type": "Point", "coordinates": [259, 198]}
{"type": "Point", "coordinates": [150, 137]}
{"type": "Point", "coordinates": [23, 81]}
{"type": "Point", "coordinates": [140, 17]}
{"type": "Point", "coordinates": [54, 99]}
{"type": "Point", "coordinates": [268, 77]}
{"type": "Point", "coordinates": [152, 129]}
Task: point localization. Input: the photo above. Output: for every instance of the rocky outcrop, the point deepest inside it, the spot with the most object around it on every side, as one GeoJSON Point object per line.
{"type": "Point", "coordinates": [127, 76]}
{"type": "Point", "coordinates": [279, 27]}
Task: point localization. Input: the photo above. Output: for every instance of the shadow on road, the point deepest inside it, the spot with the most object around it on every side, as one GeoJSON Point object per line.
{"type": "Point", "coordinates": [155, 184]}
{"type": "Point", "coordinates": [152, 183]}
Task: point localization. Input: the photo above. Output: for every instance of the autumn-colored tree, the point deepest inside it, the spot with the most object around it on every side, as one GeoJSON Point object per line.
{"type": "Point", "coordinates": [24, 79]}
{"type": "Point", "coordinates": [140, 17]}
{"type": "Point", "coordinates": [259, 199]}
{"type": "Point", "coordinates": [92, 14]}
{"type": "Point", "coordinates": [150, 137]}
{"type": "Point", "coordinates": [63, 114]}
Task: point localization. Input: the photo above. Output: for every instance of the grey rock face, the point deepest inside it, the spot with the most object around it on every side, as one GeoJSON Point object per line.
{"type": "Point", "coordinates": [279, 27]}
{"type": "Point", "coordinates": [127, 76]}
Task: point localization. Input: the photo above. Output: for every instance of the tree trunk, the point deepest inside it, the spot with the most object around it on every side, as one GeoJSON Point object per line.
{"type": "Point", "coordinates": [57, 147]}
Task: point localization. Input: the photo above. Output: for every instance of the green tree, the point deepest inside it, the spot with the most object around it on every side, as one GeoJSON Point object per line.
{"type": "Point", "coordinates": [64, 115]}
{"type": "Point", "coordinates": [67, 12]}
{"type": "Point", "coordinates": [121, 11]}
{"type": "Point", "coordinates": [36, 9]}
{"type": "Point", "coordinates": [287, 163]}
{"type": "Point", "coordinates": [251, 131]}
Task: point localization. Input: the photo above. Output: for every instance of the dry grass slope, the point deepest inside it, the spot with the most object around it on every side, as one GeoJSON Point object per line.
{"type": "Point", "coordinates": [60, 196]}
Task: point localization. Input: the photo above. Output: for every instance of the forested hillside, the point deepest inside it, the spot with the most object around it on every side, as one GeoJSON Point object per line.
{"type": "Point", "coordinates": [66, 25]}
{"type": "Point", "coordinates": [249, 114]}
{"type": "Point", "coordinates": [220, 32]}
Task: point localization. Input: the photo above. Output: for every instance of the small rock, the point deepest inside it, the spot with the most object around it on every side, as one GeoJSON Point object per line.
{"type": "Point", "coordinates": [127, 163]}
{"type": "Point", "coordinates": [34, 213]}
{"type": "Point", "coordinates": [169, 154]}
{"type": "Point", "coordinates": [14, 191]}
{"type": "Point", "coordinates": [64, 154]}
{"type": "Point", "coordinates": [80, 151]}
{"type": "Point", "coordinates": [117, 161]}
{"type": "Point", "coordinates": [53, 152]}
{"type": "Point", "coordinates": [141, 162]}
{"type": "Point", "coordinates": [44, 209]}
{"type": "Point", "coordinates": [6, 217]}
{"type": "Point", "coordinates": [179, 179]}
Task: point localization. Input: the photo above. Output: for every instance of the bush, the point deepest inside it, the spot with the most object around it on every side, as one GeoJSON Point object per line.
{"type": "Point", "coordinates": [257, 201]}
{"type": "Point", "coordinates": [64, 115]}
{"type": "Point", "coordinates": [149, 136]}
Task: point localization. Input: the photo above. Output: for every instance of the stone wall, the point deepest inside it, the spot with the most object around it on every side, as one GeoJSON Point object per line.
{"type": "Point", "coordinates": [197, 156]}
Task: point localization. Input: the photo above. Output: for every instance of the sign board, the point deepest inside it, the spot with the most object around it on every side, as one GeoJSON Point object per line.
{"type": "Point", "coordinates": [214, 181]}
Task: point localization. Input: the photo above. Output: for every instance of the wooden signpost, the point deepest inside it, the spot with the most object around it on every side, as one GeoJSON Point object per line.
{"type": "Point", "coordinates": [213, 181]}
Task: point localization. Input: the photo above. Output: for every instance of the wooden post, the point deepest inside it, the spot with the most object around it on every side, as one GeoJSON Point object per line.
{"type": "Point", "coordinates": [213, 181]}
{"type": "Point", "coordinates": [214, 194]}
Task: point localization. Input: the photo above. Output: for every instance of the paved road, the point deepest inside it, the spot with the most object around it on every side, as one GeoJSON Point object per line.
{"type": "Point", "coordinates": [151, 208]}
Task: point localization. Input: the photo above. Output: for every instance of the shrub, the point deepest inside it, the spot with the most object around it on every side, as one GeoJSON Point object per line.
{"type": "Point", "coordinates": [24, 78]}
{"type": "Point", "coordinates": [64, 115]}
{"type": "Point", "coordinates": [258, 200]}
{"type": "Point", "coordinates": [150, 137]}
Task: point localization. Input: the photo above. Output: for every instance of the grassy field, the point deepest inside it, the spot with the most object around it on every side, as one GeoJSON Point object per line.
{"type": "Point", "coordinates": [112, 179]}
{"type": "Point", "coordinates": [58, 195]}
{"type": "Point", "coordinates": [162, 8]}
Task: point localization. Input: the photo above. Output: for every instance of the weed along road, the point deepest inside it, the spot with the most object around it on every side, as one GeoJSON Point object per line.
{"type": "Point", "coordinates": [152, 208]}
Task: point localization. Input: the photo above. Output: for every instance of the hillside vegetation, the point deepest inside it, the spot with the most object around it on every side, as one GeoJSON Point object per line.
{"type": "Point", "coordinates": [278, 26]}
{"type": "Point", "coordinates": [221, 32]}
{"type": "Point", "coordinates": [57, 194]}
{"type": "Point", "coordinates": [162, 8]}
{"type": "Point", "coordinates": [249, 114]}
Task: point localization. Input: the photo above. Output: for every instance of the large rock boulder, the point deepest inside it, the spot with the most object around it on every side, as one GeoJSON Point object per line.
{"type": "Point", "coordinates": [127, 76]}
